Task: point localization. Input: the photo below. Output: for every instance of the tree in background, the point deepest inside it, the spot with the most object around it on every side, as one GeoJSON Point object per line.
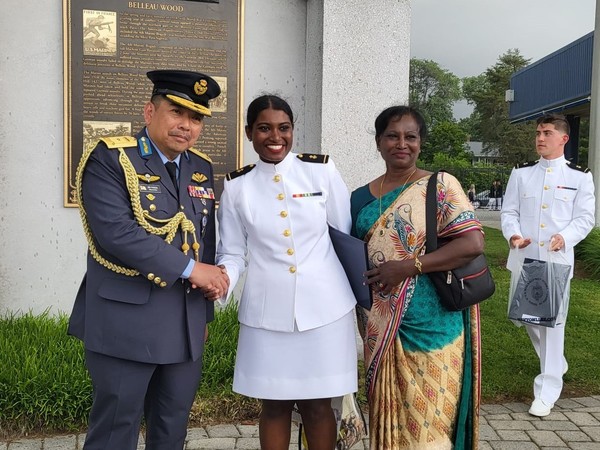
{"type": "Point", "coordinates": [433, 91]}
{"type": "Point", "coordinates": [514, 142]}
{"type": "Point", "coordinates": [472, 126]}
{"type": "Point", "coordinates": [449, 139]}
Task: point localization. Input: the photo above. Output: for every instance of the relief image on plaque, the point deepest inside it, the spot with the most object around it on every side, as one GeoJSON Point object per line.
{"type": "Point", "coordinates": [99, 33]}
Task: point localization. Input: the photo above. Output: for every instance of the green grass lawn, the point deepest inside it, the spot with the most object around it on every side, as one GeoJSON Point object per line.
{"type": "Point", "coordinates": [509, 361]}
{"type": "Point", "coordinates": [44, 386]}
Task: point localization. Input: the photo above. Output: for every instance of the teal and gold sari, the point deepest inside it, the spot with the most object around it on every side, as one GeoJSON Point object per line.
{"type": "Point", "coordinates": [422, 361]}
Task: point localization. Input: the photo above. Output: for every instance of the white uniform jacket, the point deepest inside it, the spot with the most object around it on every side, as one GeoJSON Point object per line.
{"type": "Point", "coordinates": [544, 198]}
{"type": "Point", "coordinates": [273, 220]}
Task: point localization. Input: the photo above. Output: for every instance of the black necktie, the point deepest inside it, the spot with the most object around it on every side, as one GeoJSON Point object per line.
{"type": "Point", "coordinates": [172, 169]}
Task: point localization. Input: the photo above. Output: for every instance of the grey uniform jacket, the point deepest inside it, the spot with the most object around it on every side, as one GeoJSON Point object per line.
{"type": "Point", "coordinates": [154, 317]}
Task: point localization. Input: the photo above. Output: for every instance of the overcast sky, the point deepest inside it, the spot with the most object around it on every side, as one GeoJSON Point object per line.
{"type": "Point", "coordinates": [467, 36]}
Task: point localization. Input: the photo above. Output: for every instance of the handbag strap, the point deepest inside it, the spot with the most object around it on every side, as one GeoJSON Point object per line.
{"type": "Point", "coordinates": [431, 242]}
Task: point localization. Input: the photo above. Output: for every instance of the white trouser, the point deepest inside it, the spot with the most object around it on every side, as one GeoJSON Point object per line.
{"type": "Point", "coordinates": [549, 344]}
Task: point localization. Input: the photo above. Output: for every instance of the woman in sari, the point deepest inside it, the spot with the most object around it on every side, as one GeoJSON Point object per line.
{"type": "Point", "coordinates": [422, 361]}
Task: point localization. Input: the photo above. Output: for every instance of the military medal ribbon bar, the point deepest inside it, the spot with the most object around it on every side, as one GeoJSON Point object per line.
{"type": "Point", "coordinates": [201, 192]}
{"type": "Point", "coordinates": [307, 194]}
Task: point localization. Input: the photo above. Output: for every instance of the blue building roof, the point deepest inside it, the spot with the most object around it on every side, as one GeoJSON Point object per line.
{"type": "Point", "coordinates": [560, 82]}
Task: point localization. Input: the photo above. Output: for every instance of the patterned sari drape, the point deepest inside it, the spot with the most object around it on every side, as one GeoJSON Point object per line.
{"type": "Point", "coordinates": [422, 361]}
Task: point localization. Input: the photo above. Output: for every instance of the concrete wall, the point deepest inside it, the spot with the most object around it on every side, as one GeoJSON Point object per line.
{"type": "Point", "coordinates": [42, 249]}
{"type": "Point", "coordinates": [336, 62]}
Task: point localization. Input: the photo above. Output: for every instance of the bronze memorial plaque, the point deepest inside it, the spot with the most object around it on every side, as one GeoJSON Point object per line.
{"type": "Point", "coordinates": [109, 45]}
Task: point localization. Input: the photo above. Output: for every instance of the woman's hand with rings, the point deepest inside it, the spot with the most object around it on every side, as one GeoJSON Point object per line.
{"type": "Point", "coordinates": [386, 276]}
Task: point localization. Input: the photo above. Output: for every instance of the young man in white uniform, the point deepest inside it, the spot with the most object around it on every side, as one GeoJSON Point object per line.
{"type": "Point", "coordinates": [548, 206]}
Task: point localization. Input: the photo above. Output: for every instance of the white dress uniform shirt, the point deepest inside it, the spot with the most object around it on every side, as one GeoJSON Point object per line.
{"type": "Point", "coordinates": [546, 198]}
{"type": "Point", "coordinates": [273, 221]}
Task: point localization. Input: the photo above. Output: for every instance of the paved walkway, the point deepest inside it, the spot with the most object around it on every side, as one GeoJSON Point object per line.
{"type": "Point", "coordinates": [573, 424]}
{"type": "Point", "coordinates": [488, 218]}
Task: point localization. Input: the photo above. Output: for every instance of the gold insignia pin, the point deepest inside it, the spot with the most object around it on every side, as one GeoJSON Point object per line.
{"type": "Point", "coordinates": [199, 177]}
{"type": "Point", "coordinates": [150, 197]}
{"type": "Point", "coordinates": [200, 87]}
{"type": "Point", "coordinates": [147, 178]}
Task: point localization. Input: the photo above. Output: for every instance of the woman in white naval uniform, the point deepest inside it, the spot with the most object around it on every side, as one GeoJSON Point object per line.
{"type": "Point", "coordinates": [297, 342]}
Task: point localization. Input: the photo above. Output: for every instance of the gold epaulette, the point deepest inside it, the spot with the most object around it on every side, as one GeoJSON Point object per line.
{"type": "Point", "coordinates": [200, 154]}
{"type": "Point", "coordinates": [241, 171]}
{"type": "Point", "coordinates": [119, 141]}
{"type": "Point", "coordinates": [526, 164]}
{"type": "Point", "coordinates": [313, 157]}
{"type": "Point", "coordinates": [576, 167]}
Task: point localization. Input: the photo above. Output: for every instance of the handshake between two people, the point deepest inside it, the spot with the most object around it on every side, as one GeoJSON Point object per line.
{"type": "Point", "coordinates": [212, 280]}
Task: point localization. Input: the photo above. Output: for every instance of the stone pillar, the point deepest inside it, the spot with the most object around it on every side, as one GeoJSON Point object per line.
{"type": "Point", "coordinates": [366, 55]}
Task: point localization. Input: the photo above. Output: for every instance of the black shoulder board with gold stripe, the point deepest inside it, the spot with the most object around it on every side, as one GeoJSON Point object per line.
{"type": "Point", "coordinates": [526, 164]}
{"type": "Point", "coordinates": [576, 167]}
{"type": "Point", "coordinates": [119, 141]}
{"type": "Point", "coordinates": [313, 157]}
{"type": "Point", "coordinates": [200, 154]}
{"type": "Point", "coordinates": [241, 171]}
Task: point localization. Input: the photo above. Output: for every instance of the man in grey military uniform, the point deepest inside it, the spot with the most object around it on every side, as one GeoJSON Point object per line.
{"type": "Point", "coordinates": [548, 207]}
{"type": "Point", "coordinates": [147, 206]}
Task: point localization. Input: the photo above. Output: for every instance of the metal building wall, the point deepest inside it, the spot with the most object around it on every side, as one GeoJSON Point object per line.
{"type": "Point", "coordinates": [559, 82]}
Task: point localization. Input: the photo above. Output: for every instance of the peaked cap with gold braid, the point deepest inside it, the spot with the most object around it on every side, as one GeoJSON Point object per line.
{"type": "Point", "coordinates": [192, 90]}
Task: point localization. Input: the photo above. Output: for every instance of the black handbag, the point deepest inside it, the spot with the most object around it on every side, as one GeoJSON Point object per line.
{"type": "Point", "coordinates": [461, 287]}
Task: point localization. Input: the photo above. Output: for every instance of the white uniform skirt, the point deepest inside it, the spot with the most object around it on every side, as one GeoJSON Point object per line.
{"type": "Point", "coordinates": [317, 363]}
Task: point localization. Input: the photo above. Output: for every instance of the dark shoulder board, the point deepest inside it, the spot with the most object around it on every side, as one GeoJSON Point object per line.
{"type": "Point", "coordinates": [241, 171]}
{"type": "Point", "coordinates": [313, 157]}
{"type": "Point", "coordinates": [119, 141]}
{"type": "Point", "coordinates": [576, 167]}
{"type": "Point", "coordinates": [526, 164]}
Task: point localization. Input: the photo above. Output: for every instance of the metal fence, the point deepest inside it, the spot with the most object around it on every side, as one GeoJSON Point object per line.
{"type": "Point", "coordinates": [481, 177]}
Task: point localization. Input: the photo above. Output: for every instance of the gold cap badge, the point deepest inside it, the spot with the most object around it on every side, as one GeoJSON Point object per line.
{"type": "Point", "coordinates": [200, 87]}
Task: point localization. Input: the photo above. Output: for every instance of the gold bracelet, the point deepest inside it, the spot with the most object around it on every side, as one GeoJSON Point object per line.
{"type": "Point", "coordinates": [418, 265]}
